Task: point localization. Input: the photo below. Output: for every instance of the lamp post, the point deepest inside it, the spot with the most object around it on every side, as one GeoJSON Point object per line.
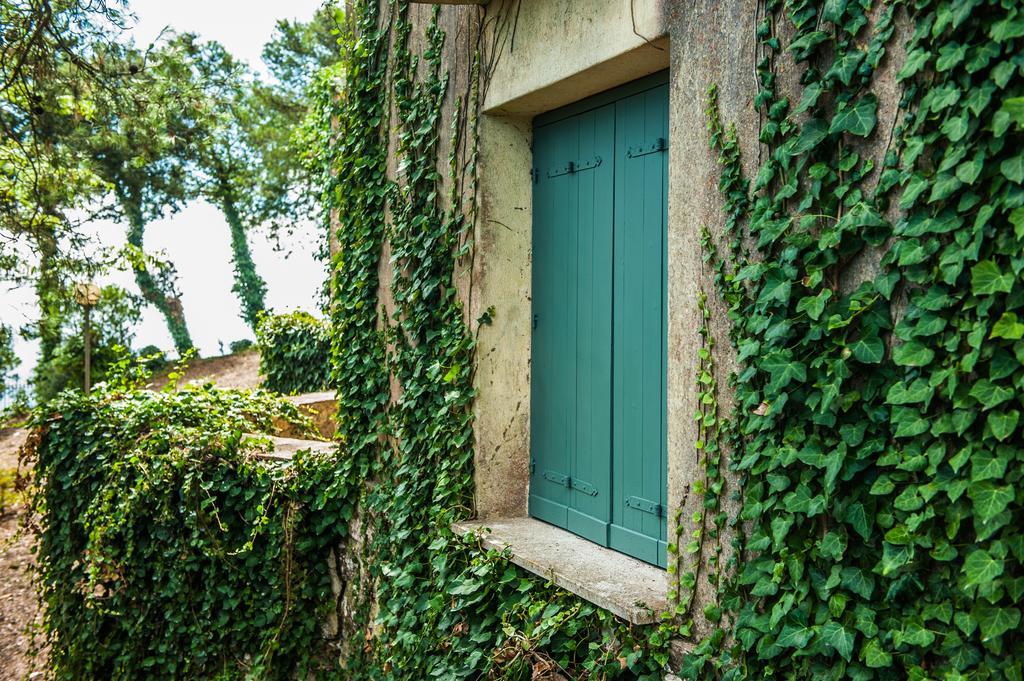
{"type": "Point", "coordinates": [87, 295]}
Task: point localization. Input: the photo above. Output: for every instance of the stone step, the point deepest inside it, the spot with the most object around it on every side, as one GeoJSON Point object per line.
{"type": "Point", "coordinates": [321, 407]}
{"type": "Point", "coordinates": [285, 448]}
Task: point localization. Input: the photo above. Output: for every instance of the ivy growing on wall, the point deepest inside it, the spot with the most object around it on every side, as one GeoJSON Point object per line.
{"type": "Point", "coordinates": [875, 304]}
{"type": "Point", "coordinates": [428, 604]}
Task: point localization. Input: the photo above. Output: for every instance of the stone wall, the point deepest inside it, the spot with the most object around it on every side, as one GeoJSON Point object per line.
{"type": "Point", "coordinates": [536, 55]}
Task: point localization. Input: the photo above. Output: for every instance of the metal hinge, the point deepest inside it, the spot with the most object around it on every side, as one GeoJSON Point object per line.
{"type": "Point", "coordinates": [568, 168]}
{"type": "Point", "coordinates": [644, 505]}
{"type": "Point", "coordinates": [575, 167]}
{"type": "Point", "coordinates": [557, 478]}
{"type": "Point", "coordinates": [536, 319]}
{"type": "Point", "coordinates": [584, 487]}
{"type": "Point", "coordinates": [660, 144]}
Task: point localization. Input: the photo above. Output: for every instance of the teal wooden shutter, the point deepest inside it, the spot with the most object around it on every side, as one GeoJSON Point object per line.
{"type": "Point", "coordinates": [639, 418]}
{"type": "Point", "coordinates": [552, 386]}
{"type": "Point", "coordinates": [599, 359]}
{"type": "Point", "coordinates": [572, 297]}
{"type": "Point", "coordinates": [590, 507]}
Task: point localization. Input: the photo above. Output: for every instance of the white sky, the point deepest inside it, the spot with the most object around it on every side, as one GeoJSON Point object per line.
{"type": "Point", "coordinates": [196, 239]}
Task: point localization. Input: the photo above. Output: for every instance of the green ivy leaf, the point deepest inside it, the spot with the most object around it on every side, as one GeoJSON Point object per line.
{"type": "Point", "coordinates": [801, 500]}
{"type": "Point", "coordinates": [858, 581]}
{"type": "Point", "coordinates": [987, 465]}
{"type": "Point", "coordinates": [916, 60]}
{"type": "Point", "coordinates": [776, 288]}
{"type": "Point", "coordinates": [872, 654]}
{"type": "Point", "coordinates": [980, 568]}
{"type": "Point", "coordinates": [918, 391]}
{"type": "Point", "coordinates": [783, 370]}
{"type": "Point", "coordinates": [989, 499]}
{"type": "Point", "coordinates": [833, 10]}
{"type": "Point", "coordinates": [814, 306]}
{"type": "Point", "coordinates": [869, 348]}
{"type": "Point", "coordinates": [1013, 108]}
{"type": "Point", "coordinates": [858, 118]}
{"type": "Point", "coordinates": [1017, 220]}
{"type": "Point", "coordinates": [912, 354]}
{"type": "Point", "coordinates": [987, 278]}
{"type": "Point", "coordinates": [812, 133]}
{"type": "Point", "coordinates": [994, 620]}
{"type": "Point", "coordinates": [1003, 424]}
{"type": "Point", "coordinates": [1013, 168]}
{"type": "Point", "coordinates": [989, 393]}
{"type": "Point", "coordinates": [794, 636]}
{"type": "Point", "coordinates": [1008, 28]}
{"type": "Point", "coordinates": [1008, 327]}
{"type": "Point", "coordinates": [838, 638]}
{"type": "Point", "coordinates": [857, 517]}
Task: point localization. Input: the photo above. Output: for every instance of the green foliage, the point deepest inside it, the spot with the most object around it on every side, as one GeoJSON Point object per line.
{"type": "Point", "coordinates": [875, 429]}
{"type": "Point", "coordinates": [240, 345]}
{"type": "Point", "coordinates": [8, 360]}
{"type": "Point", "coordinates": [294, 352]}
{"type": "Point", "coordinates": [167, 551]}
{"type": "Point", "coordinates": [112, 324]}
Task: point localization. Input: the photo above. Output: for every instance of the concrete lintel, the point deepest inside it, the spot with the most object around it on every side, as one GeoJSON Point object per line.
{"type": "Point", "coordinates": [626, 587]}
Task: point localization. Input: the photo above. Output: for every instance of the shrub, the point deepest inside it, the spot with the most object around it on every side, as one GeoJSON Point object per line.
{"type": "Point", "coordinates": [240, 345]}
{"type": "Point", "coordinates": [167, 551]}
{"type": "Point", "coordinates": [294, 352]}
{"type": "Point", "coordinates": [154, 358]}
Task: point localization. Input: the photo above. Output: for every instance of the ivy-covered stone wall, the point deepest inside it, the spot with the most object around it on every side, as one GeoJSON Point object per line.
{"type": "Point", "coordinates": [844, 273]}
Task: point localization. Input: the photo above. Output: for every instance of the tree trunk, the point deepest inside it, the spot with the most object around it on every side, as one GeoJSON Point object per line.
{"type": "Point", "coordinates": [168, 303]}
{"type": "Point", "coordinates": [48, 296]}
{"type": "Point", "coordinates": [249, 286]}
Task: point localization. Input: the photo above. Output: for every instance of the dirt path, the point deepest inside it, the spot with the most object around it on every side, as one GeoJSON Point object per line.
{"type": "Point", "coordinates": [17, 602]}
{"type": "Point", "coordinates": [230, 371]}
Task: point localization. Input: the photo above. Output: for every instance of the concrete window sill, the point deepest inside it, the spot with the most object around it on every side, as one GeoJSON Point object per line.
{"type": "Point", "coordinates": [626, 587]}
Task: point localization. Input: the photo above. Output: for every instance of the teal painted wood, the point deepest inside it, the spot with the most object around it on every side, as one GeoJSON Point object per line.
{"type": "Point", "coordinates": [599, 356]}
{"type": "Point", "coordinates": [553, 392]}
{"type": "Point", "coordinates": [590, 499]}
{"type": "Point", "coordinates": [639, 344]}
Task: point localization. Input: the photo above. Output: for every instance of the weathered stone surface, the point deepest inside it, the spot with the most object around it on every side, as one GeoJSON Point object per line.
{"type": "Point", "coordinates": [285, 448]}
{"type": "Point", "coordinates": [321, 407]}
{"type": "Point", "coordinates": [626, 587]}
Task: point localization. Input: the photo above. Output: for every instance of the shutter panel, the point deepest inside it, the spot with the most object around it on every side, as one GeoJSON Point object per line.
{"type": "Point", "coordinates": [590, 507]}
{"type": "Point", "coordinates": [552, 369]}
{"type": "Point", "coordinates": [639, 522]}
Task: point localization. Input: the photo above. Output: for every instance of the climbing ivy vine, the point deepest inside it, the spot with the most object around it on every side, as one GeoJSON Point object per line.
{"type": "Point", "coordinates": [874, 302]}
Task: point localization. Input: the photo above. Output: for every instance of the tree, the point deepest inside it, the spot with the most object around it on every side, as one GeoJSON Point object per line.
{"type": "Point", "coordinates": [112, 322]}
{"type": "Point", "coordinates": [49, 77]}
{"type": "Point", "coordinates": [248, 160]}
{"type": "Point", "coordinates": [139, 144]}
{"type": "Point", "coordinates": [227, 167]}
{"type": "Point", "coordinates": [295, 56]}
